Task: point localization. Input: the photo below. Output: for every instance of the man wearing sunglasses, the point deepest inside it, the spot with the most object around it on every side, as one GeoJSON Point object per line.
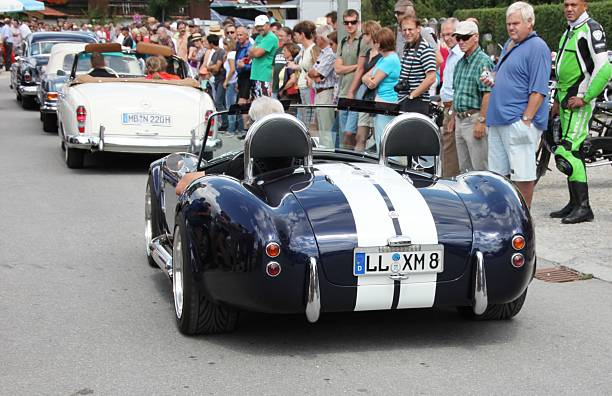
{"type": "Point", "coordinates": [262, 55]}
{"type": "Point", "coordinates": [350, 59]}
{"type": "Point", "coordinates": [470, 99]}
{"type": "Point", "coordinates": [403, 8]}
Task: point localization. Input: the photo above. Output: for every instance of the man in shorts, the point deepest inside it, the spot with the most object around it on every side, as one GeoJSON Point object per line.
{"type": "Point", "coordinates": [262, 57]}
{"type": "Point", "coordinates": [349, 50]}
{"type": "Point", "coordinates": [518, 110]}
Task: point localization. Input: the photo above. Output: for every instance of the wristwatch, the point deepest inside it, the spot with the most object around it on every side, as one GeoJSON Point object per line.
{"type": "Point", "coordinates": [482, 119]}
{"type": "Point", "coordinates": [525, 118]}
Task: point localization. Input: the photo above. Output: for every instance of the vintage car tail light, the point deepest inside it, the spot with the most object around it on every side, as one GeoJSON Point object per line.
{"type": "Point", "coordinates": [51, 95]}
{"type": "Point", "coordinates": [518, 260]}
{"type": "Point", "coordinates": [273, 269]}
{"type": "Point", "coordinates": [27, 77]}
{"type": "Point", "coordinates": [81, 115]}
{"type": "Point", "coordinates": [272, 249]}
{"type": "Point", "coordinates": [518, 242]}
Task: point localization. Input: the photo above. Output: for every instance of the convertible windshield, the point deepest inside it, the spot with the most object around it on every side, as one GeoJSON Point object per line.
{"type": "Point", "coordinates": [124, 65]}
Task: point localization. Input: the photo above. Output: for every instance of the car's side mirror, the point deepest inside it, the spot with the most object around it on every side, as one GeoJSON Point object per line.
{"type": "Point", "coordinates": [182, 163]}
{"type": "Point", "coordinates": [60, 72]}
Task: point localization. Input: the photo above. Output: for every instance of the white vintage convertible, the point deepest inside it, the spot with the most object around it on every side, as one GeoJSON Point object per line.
{"type": "Point", "coordinates": [120, 109]}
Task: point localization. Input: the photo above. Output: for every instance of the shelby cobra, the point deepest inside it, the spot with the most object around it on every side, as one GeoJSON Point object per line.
{"type": "Point", "coordinates": [28, 67]}
{"type": "Point", "coordinates": [129, 113]}
{"type": "Point", "coordinates": [281, 227]}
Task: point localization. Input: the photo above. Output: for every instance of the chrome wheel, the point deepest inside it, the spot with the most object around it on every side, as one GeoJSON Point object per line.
{"type": "Point", "coordinates": [148, 222]}
{"type": "Point", "coordinates": [177, 273]}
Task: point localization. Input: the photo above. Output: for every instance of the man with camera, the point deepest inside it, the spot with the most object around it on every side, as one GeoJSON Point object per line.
{"type": "Point", "coordinates": [418, 69]}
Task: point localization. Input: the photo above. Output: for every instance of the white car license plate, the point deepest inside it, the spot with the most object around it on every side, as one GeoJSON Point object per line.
{"type": "Point", "coordinates": [385, 260]}
{"type": "Point", "coordinates": [146, 119]}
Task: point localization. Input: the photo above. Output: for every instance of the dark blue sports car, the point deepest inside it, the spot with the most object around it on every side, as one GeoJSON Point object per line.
{"type": "Point", "coordinates": [279, 223]}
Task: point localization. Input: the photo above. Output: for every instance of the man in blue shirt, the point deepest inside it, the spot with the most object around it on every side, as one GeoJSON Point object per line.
{"type": "Point", "coordinates": [518, 110]}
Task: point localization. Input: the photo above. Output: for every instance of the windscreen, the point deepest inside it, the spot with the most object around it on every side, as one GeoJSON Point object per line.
{"type": "Point", "coordinates": [124, 65]}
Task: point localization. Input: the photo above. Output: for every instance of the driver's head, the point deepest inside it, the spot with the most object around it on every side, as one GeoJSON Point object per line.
{"type": "Point", "coordinates": [264, 106]}
{"type": "Point", "coordinates": [97, 60]}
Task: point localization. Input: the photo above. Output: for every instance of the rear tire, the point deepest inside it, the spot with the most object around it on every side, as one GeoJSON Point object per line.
{"type": "Point", "coordinates": [28, 103]}
{"type": "Point", "coordinates": [49, 122]}
{"type": "Point", "coordinates": [74, 158]}
{"type": "Point", "coordinates": [152, 228]}
{"type": "Point", "coordinates": [496, 311]}
{"type": "Point", "coordinates": [195, 313]}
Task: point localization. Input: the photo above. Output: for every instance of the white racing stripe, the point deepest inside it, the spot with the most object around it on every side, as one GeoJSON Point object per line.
{"type": "Point", "coordinates": [374, 228]}
{"type": "Point", "coordinates": [416, 221]}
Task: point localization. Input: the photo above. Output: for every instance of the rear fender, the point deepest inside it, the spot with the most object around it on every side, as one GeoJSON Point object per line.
{"type": "Point", "coordinates": [228, 228]}
{"type": "Point", "coordinates": [498, 212]}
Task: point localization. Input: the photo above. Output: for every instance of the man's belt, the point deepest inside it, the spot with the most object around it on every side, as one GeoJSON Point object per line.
{"type": "Point", "coordinates": [465, 114]}
{"type": "Point", "coordinates": [319, 90]}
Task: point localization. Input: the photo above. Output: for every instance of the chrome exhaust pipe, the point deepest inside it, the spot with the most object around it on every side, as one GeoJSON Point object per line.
{"type": "Point", "coordinates": [481, 299]}
{"type": "Point", "coordinates": [313, 297]}
{"type": "Point", "coordinates": [161, 255]}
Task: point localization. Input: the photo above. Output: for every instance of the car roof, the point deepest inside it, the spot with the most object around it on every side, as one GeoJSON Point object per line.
{"type": "Point", "coordinates": [59, 51]}
{"type": "Point", "coordinates": [62, 36]}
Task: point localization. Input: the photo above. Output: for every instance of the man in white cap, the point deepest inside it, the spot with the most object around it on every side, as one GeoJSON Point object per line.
{"type": "Point", "coordinates": [262, 55]}
{"type": "Point", "coordinates": [470, 99]}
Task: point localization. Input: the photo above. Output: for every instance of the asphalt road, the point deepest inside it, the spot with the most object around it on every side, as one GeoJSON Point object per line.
{"type": "Point", "coordinates": [81, 312]}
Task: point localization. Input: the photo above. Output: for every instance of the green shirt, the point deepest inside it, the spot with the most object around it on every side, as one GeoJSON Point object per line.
{"type": "Point", "coordinates": [261, 68]}
{"type": "Point", "coordinates": [350, 53]}
{"type": "Point", "coordinates": [468, 89]}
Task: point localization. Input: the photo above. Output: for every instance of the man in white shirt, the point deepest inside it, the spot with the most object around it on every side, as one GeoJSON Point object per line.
{"type": "Point", "coordinates": [6, 36]}
{"type": "Point", "coordinates": [450, 164]}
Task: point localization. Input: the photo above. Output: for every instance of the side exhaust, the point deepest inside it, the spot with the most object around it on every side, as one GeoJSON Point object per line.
{"type": "Point", "coordinates": [161, 254]}
{"type": "Point", "coordinates": [481, 299]}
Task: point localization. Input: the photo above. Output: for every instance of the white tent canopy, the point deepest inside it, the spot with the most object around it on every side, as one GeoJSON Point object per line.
{"type": "Point", "coordinates": [21, 5]}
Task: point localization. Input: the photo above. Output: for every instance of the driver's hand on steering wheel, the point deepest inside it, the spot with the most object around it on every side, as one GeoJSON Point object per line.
{"type": "Point", "coordinates": [181, 186]}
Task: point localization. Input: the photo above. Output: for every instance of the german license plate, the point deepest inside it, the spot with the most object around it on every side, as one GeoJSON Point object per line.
{"type": "Point", "coordinates": [146, 119]}
{"type": "Point", "coordinates": [385, 260]}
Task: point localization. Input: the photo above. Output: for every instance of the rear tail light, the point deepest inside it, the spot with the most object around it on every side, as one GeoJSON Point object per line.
{"type": "Point", "coordinates": [272, 249]}
{"type": "Point", "coordinates": [518, 242]}
{"type": "Point", "coordinates": [212, 123]}
{"type": "Point", "coordinates": [273, 269]}
{"type": "Point", "coordinates": [51, 95]}
{"type": "Point", "coordinates": [518, 260]}
{"type": "Point", "coordinates": [27, 77]}
{"type": "Point", "coordinates": [81, 116]}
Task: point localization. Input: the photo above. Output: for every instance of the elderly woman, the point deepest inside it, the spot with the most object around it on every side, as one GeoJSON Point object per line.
{"type": "Point", "coordinates": [156, 69]}
{"type": "Point", "coordinates": [260, 108]}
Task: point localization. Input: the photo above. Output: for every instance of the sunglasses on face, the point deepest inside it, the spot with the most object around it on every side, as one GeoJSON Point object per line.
{"type": "Point", "coordinates": [463, 37]}
{"type": "Point", "coordinates": [398, 13]}
{"type": "Point", "coordinates": [346, 23]}
{"type": "Point", "coordinates": [230, 32]}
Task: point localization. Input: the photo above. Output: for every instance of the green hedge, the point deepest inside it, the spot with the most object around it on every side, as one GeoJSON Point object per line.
{"type": "Point", "coordinates": [550, 21]}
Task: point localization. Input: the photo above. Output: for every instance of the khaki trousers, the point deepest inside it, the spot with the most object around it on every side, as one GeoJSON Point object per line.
{"type": "Point", "coordinates": [325, 117]}
{"type": "Point", "coordinates": [472, 153]}
{"type": "Point", "coordinates": [450, 163]}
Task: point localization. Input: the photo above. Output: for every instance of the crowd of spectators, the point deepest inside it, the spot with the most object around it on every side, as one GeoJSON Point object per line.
{"type": "Point", "coordinates": [307, 64]}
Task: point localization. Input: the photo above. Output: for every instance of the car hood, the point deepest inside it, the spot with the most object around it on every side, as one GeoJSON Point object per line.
{"type": "Point", "coordinates": [364, 205]}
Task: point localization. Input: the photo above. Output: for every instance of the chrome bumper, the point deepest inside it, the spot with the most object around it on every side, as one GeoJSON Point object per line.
{"type": "Point", "coordinates": [28, 90]}
{"type": "Point", "coordinates": [138, 144]}
{"type": "Point", "coordinates": [49, 107]}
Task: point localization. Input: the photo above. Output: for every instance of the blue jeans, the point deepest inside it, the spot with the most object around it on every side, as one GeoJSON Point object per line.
{"type": "Point", "coordinates": [219, 99]}
{"type": "Point", "coordinates": [380, 122]}
{"type": "Point", "coordinates": [231, 96]}
{"type": "Point", "coordinates": [348, 121]}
